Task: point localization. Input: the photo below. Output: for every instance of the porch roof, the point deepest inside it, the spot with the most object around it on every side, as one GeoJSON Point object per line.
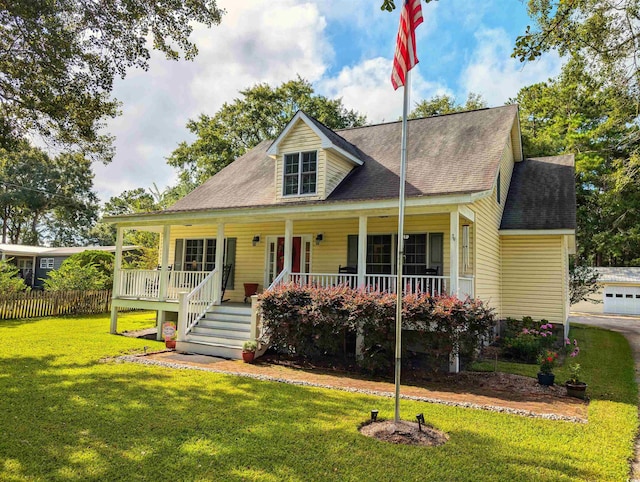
{"type": "Point", "coordinates": [449, 154]}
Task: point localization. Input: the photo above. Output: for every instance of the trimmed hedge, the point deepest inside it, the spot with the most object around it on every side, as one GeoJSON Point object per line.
{"type": "Point", "coordinates": [311, 322]}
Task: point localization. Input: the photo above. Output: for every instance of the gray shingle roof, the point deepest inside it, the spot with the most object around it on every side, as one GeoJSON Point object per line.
{"type": "Point", "coordinates": [619, 275]}
{"type": "Point", "coordinates": [542, 195]}
{"type": "Point", "coordinates": [449, 154]}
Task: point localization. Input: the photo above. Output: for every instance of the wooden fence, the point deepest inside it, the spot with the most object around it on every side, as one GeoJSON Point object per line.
{"type": "Point", "coordinates": [53, 303]}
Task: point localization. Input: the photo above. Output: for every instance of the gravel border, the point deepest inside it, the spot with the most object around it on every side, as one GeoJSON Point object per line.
{"type": "Point", "coordinates": [491, 408]}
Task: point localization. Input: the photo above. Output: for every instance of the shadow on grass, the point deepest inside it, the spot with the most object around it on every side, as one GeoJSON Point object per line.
{"type": "Point", "coordinates": [98, 421]}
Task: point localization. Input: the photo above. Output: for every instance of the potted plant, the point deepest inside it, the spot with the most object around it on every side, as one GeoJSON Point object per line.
{"type": "Point", "coordinates": [547, 361]}
{"type": "Point", "coordinates": [575, 387]}
{"type": "Point", "coordinates": [249, 350]}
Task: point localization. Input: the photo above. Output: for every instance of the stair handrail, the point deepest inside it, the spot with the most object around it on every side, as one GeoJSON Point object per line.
{"type": "Point", "coordinates": [279, 279]}
{"type": "Point", "coordinates": [195, 301]}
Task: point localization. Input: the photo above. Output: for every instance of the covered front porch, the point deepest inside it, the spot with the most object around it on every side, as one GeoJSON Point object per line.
{"type": "Point", "coordinates": [356, 249]}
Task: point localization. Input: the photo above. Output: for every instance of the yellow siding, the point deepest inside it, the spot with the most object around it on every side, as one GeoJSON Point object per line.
{"type": "Point", "coordinates": [487, 239]}
{"type": "Point", "coordinates": [533, 274]}
{"type": "Point", "coordinates": [337, 170]}
{"type": "Point", "coordinates": [301, 138]}
{"type": "Point", "coordinates": [515, 140]}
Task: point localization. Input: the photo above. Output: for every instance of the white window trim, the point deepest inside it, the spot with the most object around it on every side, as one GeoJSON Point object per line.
{"type": "Point", "coordinates": [284, 174]}
{"type": "Point", "coordinates": [46, 263]}
{"type": "Point", "coordinates": [204, 251]}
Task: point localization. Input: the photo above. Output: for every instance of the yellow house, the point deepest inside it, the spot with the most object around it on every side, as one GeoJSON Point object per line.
{"type": "Point", "coordinates": [318, 206]}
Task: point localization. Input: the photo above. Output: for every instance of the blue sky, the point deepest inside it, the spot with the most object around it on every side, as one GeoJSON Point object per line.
{"type": "Point", "coordinates": [344, 47]}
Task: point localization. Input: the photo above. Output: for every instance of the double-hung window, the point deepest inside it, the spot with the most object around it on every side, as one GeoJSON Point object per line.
{"type": "Point", "coordinates": [300, 173]}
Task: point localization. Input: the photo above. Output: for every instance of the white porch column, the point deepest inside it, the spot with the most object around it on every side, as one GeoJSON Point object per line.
{"type": "Point", "coordinates": [219, 264]}
{"type": "Point", "coordinates": [164, 267]}
{"type": "Point", "coordinates": [288, 244]}
{"type": "Point", "coordinates": [454, 223]}
{"type": "Point", "coordinates": [116, 279]}
{"type": "Point", "coordinates": [362, 250]}
{"type": "Point", "coordinates": [362, 271]}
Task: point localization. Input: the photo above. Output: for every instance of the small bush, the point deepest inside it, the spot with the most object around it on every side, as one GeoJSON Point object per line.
{"type": "Point", "coordinates": [529, 341]}
{"type": "Point", "coordinates": [10, 281]}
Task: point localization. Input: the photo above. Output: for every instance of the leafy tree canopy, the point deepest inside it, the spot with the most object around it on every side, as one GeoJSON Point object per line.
{"type": "Point", "coordinates": [44, 198]}
{"type": "Point", "coordinates": [59, 59]}
{"type": "Point", "coordinates": [445, 104]}
{"type": "Point", "coordinates": [579, 114]}
{"type": "Point", "coordinates": [261, 113]}
{"type": "Point", "coordinates": [102, 260]}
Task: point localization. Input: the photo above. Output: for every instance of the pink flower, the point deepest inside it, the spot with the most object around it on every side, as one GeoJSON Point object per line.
{"type": "Point", "coordinates": [544, 333]}
{"type": "Point", "coordinates": [567, 341]}
{"type": "Point", "coordinates": [525, 331]}
{"type": "Point", "coordinates": [575, 342]}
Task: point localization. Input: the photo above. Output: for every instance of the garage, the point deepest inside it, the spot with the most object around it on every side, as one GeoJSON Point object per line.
{"type": "Point", "coordinates": [624, 300]}
{"type": "Point", "coordinates": [621, 290]}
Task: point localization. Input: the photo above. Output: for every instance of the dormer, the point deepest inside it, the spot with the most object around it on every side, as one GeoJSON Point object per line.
{"type": "Point", "coordinates": [311, 160]}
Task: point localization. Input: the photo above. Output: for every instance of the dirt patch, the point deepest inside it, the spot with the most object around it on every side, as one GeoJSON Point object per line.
{"type": "Point", "coordinates": [403, 432]}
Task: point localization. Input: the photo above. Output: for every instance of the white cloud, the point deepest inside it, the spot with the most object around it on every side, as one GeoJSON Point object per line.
{"type": "Point", "coordinates": [257, 41]}
{"type": "Point", "coordinates": [366, 87]}
{"type": "Point", "coordinates": [493, 73]}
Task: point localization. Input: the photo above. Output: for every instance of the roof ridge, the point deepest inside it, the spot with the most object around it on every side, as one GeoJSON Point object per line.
{"type": "Point", "coordinates": [424, 118]}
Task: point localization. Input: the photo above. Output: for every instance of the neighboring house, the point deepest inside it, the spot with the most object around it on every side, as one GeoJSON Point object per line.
{"type": "Point", "coordinates": [35, 262]}
{"type": "Point", "coordinates": [320, 206]}
{"type": "Point", "coordinates": [619, 292]}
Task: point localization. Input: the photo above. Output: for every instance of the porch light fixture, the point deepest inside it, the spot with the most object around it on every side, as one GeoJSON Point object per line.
{"type": "Point", "coordinates": [374, 415]}
{"type": "Point", "coordinates": [319, 238]}
{"type": "Point", "coordinates": [255, 240]}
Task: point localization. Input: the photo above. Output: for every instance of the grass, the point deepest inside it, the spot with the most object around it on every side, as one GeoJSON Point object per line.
{"type": "Point", "coordinates": [69, 416]}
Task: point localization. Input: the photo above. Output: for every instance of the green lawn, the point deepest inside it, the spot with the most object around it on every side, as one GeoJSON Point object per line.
{"type": "Point", "coordinates": [70, 416]}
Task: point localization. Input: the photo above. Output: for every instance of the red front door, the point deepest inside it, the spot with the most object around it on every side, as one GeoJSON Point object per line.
{"type": "Point", "coordinates": [296, 255]}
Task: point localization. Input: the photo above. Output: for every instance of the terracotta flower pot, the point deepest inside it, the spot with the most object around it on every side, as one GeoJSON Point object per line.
{"type": "Point", "coordinates": [546, 379]}
{"type": "Point", "coordinates": [248, 356]}
{"type": "Point", "coordinates": [577, 390]}
{"type": "Point", "coordinates": [171, 344]}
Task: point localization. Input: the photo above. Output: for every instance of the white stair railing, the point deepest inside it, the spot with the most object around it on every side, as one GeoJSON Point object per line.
{"type": "Point", "coordinates": [194, 305]}
{"type": "Point", "coordinates": [283, 277]}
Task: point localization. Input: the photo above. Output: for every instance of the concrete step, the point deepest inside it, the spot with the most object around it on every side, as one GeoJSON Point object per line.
{"type": "Point", "coordinates": [217, 338]}
{"type": "Point", "coordinates": [231, 309]}
{"type": "Point", "coordinates": [227, 317]}
{"type": "Point", "coordinates": [215, 324]}
{"type": "Point", "coordinates": [220, 350]}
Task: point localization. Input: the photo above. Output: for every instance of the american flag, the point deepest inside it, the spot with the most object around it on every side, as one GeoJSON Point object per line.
{"type": "Point", "coordinates": [405, 58]}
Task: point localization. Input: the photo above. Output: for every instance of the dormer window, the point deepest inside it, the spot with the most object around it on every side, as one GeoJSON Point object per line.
{"type": "Point", "coordinates": [300, 173]}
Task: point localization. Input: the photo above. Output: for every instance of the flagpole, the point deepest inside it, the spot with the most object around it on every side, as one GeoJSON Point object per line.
{"type": "Point", "coordinates": [400, 243]}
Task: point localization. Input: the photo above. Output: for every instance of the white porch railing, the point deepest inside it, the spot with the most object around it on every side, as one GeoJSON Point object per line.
{"type": "Point", "coordinates": [385, 282]}
{"type": "Point", "coordinates": [145, 283]}
{"type": "Point", "coordinates": [325, 279]}
{"type": "Point", "coordinates": [465, 287]}
{"type": "Point", "coordinates": [139, 283]}
{"type": "Point", "coordinates": [196, 303]}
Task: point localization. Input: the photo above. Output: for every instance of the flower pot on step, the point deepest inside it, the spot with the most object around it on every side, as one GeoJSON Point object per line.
{"type": "Point", "coordinates": [546, 379]}
{"type": "Point", "coordinates": [577, 390]}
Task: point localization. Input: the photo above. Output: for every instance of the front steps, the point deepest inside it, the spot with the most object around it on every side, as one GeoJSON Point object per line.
{"type": "Point", "coordinates": [221, 332]}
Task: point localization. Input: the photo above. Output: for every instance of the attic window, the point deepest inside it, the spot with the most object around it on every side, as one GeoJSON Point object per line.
{"type": "Point", "coordinates": [300, 173]}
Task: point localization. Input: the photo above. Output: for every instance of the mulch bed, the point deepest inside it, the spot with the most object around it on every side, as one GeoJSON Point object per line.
{"type": "Point", "coordinates": [403, 432]}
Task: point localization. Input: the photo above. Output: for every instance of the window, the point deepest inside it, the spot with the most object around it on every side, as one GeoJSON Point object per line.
{"type": "Point", "coordinates": [300, 173]}
{"type": "Point", "coordinates": [200, 255]}
{"type": "Point", "coordinates": [379, 249]}
{"type": "Point", "coordinates": [46, 263]}
{"type": "Point", "coordinates": [415, 250]}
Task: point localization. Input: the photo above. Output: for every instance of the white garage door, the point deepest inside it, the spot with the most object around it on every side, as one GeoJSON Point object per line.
{"type": "Point", "coordinates": [623, 300]}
